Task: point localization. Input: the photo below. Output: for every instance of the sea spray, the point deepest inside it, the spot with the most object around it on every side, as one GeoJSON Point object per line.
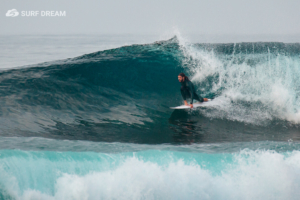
{"type": "Point", "coordinates": [252, 82]}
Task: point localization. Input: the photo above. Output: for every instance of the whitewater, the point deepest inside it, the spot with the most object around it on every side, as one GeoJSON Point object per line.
{"type": "Point", "coordinates": [96, 124]}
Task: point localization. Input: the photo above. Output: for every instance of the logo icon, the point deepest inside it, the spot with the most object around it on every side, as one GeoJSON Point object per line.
{"type": "Point", "coordinates": [12, 13]}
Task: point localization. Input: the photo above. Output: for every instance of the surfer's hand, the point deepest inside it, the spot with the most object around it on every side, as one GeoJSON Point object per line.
{"type": "Point", "coordinates": [191, 105]}
{"type": "Point", "coordinates": [185, 103]}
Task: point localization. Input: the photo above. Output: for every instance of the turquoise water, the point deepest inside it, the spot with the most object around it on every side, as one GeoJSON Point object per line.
{"type": "Point", "coordinates": [156, 173]}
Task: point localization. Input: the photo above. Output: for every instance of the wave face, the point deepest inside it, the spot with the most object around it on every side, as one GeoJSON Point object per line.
{"type": "Point", "coordinates": [124, 94]}
{"type": "Point", "coordinates": [150, 174]}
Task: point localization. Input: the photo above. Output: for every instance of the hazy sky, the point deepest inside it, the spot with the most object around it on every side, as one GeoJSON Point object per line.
{"type": "Point", "coordinates": [154, 17]}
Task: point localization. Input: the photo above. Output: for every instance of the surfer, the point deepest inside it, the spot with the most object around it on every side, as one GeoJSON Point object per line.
{"type": "Point", "coordinates": [188, 90]}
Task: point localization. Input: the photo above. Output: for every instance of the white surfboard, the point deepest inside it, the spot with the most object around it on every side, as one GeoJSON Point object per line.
{"type": "Point", "coordinates": [195, 105]}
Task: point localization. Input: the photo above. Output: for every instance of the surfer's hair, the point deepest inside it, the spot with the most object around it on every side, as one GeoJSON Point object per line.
{"type": "Point", "coordinates": [183, 75]}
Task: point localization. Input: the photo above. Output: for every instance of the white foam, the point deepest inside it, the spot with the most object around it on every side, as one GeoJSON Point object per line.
{"type": "Point", "coordinates": [252, 175]}
{"type": "Point", "coordinates": [252, 93]}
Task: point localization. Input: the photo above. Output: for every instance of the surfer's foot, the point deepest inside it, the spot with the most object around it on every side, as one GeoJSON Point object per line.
{"type": "Point", "coordinates": [205, 99]}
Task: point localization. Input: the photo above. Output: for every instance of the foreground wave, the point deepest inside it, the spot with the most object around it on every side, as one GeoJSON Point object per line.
{"type": "Point", "coordinates": [149, 174]}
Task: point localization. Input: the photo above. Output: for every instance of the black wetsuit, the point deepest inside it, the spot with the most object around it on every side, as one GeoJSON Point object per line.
{"type": "Point", "coordinates": [188, 91]}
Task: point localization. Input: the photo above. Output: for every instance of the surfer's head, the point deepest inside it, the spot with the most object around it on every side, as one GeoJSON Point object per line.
{"type": "Point", "coordinates": [182, 77]}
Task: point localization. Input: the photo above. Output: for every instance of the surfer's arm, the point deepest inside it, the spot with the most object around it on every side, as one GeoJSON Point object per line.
{"type": "Point", "coordinates": [191, 90]}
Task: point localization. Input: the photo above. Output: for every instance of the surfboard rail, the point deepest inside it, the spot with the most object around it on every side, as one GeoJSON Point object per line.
{"type": "Point", "coordinates": [195, 105]}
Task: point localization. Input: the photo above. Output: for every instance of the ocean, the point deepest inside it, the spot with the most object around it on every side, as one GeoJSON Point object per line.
{"type": "Point", "coordinates": [88, 117]}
